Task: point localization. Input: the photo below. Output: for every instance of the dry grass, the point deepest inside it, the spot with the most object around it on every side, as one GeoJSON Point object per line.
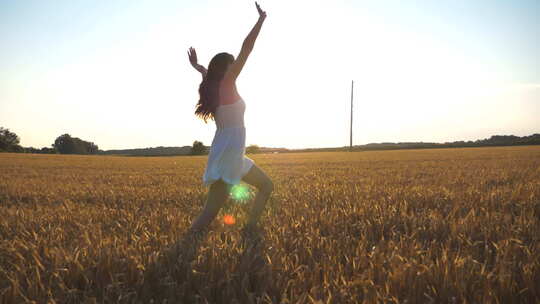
{"type": "Point", "coordinates": [425, 226]}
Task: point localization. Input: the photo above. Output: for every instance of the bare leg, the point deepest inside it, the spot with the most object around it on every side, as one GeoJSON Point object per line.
{"type": "Point", "coordinates": [256, 177]}
{"type": "Point", "coordinates": [217, 195]}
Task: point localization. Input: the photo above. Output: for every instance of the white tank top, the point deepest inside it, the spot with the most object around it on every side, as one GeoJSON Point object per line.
{"type": "Point", "coordinates": [230, 115]}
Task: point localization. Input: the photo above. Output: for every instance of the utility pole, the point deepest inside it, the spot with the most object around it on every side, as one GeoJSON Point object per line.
{"type": "Point", "coordinates": [352, 92]}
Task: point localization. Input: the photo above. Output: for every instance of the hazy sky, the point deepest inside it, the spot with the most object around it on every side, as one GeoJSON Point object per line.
{"type": "Point", "coordinates": [116, 72]}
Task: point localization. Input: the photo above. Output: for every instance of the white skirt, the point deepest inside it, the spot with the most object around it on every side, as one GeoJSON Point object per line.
{"type": "Point", "coordinates": [227, 160]}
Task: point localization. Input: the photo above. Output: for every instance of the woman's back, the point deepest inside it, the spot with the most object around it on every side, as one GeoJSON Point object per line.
{"type": "Point", "coordinates": [228, 94]}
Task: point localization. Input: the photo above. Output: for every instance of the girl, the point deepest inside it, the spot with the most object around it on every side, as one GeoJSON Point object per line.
{"type": "Point", "coordinates": [227, 164]}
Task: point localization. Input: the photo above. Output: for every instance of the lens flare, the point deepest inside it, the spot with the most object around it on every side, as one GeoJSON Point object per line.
{"type": "Point", "coordinates": [228, 219]}
{"type": "Point", "coordinates": [240, 192]}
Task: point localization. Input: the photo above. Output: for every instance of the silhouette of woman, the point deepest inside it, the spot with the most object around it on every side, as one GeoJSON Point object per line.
{"type": "Point", "coordinates": [227, 163]}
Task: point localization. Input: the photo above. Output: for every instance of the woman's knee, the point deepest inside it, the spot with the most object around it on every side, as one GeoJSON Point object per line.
{"type": "Point", "coordinates": [267, 187]}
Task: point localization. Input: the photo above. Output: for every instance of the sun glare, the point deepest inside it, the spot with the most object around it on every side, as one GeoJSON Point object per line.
{"type": "Point", "coordinates": [240, 193]}
{"type": "Point", "coordinates": [229, 219]}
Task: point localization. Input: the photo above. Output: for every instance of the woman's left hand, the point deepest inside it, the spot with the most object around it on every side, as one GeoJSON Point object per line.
{"type": "Point", "coordinates": [262, 14]}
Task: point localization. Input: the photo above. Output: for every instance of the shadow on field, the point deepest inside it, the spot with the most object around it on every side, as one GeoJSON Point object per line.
{"type": "Point", "coordinates": [170, 273]}
{"type": "Point", "coordinates": [253, 274]}
{"type": "Point", "coordinates": [173, 277]}
{"type": "Point", "coordinates": [251, 259]}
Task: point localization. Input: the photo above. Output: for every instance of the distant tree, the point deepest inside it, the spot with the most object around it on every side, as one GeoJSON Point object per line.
{"type": "Point", "coordinates": [198, 148]}
{"type": "Point", "coordinates": [90, 147]}
{"type": "Point", "coordinates": [9, 141]}
{"type": "Point", "coordinates": [253, 149]}
{"type": "Point", "coordinates": [65, 144]}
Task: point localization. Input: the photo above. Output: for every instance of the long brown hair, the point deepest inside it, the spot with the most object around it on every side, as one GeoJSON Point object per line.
{"type": "Point", "coordinates": [209, 87]}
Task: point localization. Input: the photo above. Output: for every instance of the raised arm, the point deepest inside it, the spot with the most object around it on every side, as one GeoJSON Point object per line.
{"type": "Point", "coordinates": [236, 67]}
{"type": "Point", "coordinates": [192, 55]}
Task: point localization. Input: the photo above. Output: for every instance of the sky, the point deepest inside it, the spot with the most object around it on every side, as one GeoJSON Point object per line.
{"type": "Point", "coordinates": [116, 72]}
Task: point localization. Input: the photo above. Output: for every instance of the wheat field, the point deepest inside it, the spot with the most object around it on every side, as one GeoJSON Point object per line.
{"type": "Point", "coordinates": [411, 226]}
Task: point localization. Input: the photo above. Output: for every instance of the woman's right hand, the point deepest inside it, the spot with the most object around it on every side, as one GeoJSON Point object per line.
{"type": "Point", "coordinates": [192, 55]}
{"type": "Point", "coordinates": [262, 14]}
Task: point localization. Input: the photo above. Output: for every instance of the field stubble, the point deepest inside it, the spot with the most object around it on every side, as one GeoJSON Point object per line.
{"type": "Point", "coordinates": [416, 226]}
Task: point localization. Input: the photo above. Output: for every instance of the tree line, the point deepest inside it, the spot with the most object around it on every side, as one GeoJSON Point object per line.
{"type": "Point", "coordinates": [493, 141]}
{"type": "Point", "coordinates": [67, 144]}
{"type": "Point", "coordinates": [63, 144]}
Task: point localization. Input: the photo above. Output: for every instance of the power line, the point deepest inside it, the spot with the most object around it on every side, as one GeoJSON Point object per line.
{"type": "Point", "coordinates": [352, 96]}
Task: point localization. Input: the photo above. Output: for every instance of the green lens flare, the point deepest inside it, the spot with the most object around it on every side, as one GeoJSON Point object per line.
{"type": "Point", "coordinates": [240, 192]}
